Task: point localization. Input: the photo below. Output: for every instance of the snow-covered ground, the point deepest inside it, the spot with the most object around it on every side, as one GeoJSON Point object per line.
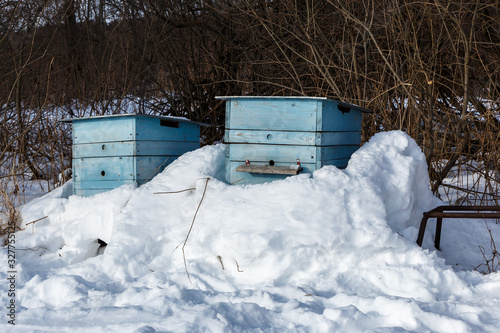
{"type": "Point", "coordinates": [331, 252]}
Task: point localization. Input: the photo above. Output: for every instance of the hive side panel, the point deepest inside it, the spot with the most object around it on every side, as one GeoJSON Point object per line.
{"type": "Point", "coordinates": [103, 130]}
{"type": "Point", "coordinates": [86, 192]}
{"type": "Point", "coordinates": [149, 166]}
{"type": "Point", "coordinates": [271, 137]}
{"type": "Point", "coordinates": [165, 148]}
{"type": "Point", "coordinates": [336, 152]}
{"type": "Point", "coordinates": [338, 138]}
{"type": "Point", "coordinates": [337, 118]}
{"type": "Point", "coordinates": [277, 153]}
{"type": "Point", "coordinates": [102, 184]}
{"type": "Point", "coordinates": [134, 148]}
{"type": "Point", "coordinates": [104, 149]}
{"type": "Point", "coordinates": [339, 163]}
{"type": "Point", "coordinates": [272, 114]}
{"type": "Point", "coordinates": [103, 169]}
{"type": "Point", "coordinates": [156, 129]}
{"type": "Point", "coordinates": [88, 188]}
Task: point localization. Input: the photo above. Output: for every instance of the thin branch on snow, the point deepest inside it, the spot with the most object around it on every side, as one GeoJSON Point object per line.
{"type": "Point", "coordinates": [191, 228]}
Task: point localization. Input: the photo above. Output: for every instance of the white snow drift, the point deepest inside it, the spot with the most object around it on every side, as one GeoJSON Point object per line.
{"type": "Point", "coordinates": [334, 251]}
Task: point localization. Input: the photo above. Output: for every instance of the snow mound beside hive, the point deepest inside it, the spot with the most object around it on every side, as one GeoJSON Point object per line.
{"type": "Point", "coordinates": [324, 252]}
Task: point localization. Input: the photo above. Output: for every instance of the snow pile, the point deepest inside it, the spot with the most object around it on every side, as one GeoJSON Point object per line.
{"type": "Point", "coordinates": [332, 252]}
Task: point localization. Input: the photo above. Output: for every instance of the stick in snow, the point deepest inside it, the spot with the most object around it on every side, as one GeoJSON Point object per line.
{"type": "Point", "coordinates": [191, 228]}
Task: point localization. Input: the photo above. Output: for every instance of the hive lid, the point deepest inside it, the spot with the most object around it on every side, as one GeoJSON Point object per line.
{"type": "Point", "coordinates": [170, 118]}
{"type": "Point", "coordinates": [349, 105]}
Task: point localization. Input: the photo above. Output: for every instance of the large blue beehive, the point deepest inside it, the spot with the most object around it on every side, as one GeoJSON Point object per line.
{"type": "Point", "coordinates": [265, 136]}
{"type": "Point", "coordinates": [109, 151]}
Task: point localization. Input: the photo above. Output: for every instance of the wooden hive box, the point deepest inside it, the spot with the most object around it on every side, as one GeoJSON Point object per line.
{"type": "Point", "coordinates": [272, 133]}
{"type": "Point", "coordinates": [109, 151]}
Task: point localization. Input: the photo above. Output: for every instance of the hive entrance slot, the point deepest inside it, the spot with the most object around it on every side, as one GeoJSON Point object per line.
{"type": "Point", "coordinates": [271, 162]}
{"type": "Point", "coordinates": [344, 109]}
{"type": "Point", "coordinates": [103, 173]}
{"type": "Point", "coordinates": [169, 123]}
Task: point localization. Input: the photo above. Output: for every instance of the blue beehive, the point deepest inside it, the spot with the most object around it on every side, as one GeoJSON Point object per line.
{"type": "Point", "coordinates": [109, 151]}
{"type": "Point", "coordinates": [265, 136]}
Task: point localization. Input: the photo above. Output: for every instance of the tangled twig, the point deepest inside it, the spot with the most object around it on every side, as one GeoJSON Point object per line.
{"type": "Point", "coordinates": [491, 266]}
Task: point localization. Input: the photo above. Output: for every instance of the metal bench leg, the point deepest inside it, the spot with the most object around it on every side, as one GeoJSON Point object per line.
{"type": "Point", "coordinates": [421, 231]}
{"type": "Point", "coordinates": [437, 239]}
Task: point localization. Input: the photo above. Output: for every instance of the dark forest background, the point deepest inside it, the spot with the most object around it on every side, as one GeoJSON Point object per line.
{"type": "Point", "coordinates": [430, 68]}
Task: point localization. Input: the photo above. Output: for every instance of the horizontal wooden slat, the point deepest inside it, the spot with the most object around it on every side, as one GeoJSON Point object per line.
{"type": "Point", "coordinates": [103, 130]}
{"type": "Point", "coordinates": [293, 138]}
{"type": "Point", "coordinates": [277, 153]}
{"type": "Point", "coordinates": [90, 192]}
{"type": "Point", "coordinates": [133, 148]}
{"type": "Point", "coordinates": [105, 149]}
{"type": "Point", "coordinates": [277, 114]}
{"type": "Point", "coordinates": [109, 168]}
{"type": "Point", "coordinates": [276, 170]}
{"type": "Point", "coordinates": [119, 168]}
{"type": "Point", "coordinates": [101, 184]}
{"type": "Point", "coordinates": [87, 188]}
{"type": "Point", "coordinates": [271, 137]}
{"type": "Point", "coordinates": [287, 154]}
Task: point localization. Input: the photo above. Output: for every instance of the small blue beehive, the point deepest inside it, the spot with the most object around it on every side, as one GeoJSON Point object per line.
{"type": "Point", "coordinates": [267, 137]}
{"type": "Point", "coordinates": [109, 151]}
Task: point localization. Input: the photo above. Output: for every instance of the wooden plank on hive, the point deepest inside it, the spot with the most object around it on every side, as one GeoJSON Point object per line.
{"type": "Point", "coordinates": [276, 153]}
{"type": "Point", "coordinates": [286, 115]}
{"type": "Point", "coordinates": [103, 130]}
{"type": "Point", "coordinates": [270, 137]}
{"type": "Point", "coordinates": [275, 170]}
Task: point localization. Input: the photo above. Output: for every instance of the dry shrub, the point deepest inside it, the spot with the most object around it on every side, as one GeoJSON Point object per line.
{"type": "Point", "coordinates": [490, 263]}
{"type": "Point", "coordinates": [430, 68]}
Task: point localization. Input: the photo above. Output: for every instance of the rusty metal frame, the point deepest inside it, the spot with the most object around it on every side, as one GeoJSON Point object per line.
{"type": "Point", "coordinates": [457, 212]}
